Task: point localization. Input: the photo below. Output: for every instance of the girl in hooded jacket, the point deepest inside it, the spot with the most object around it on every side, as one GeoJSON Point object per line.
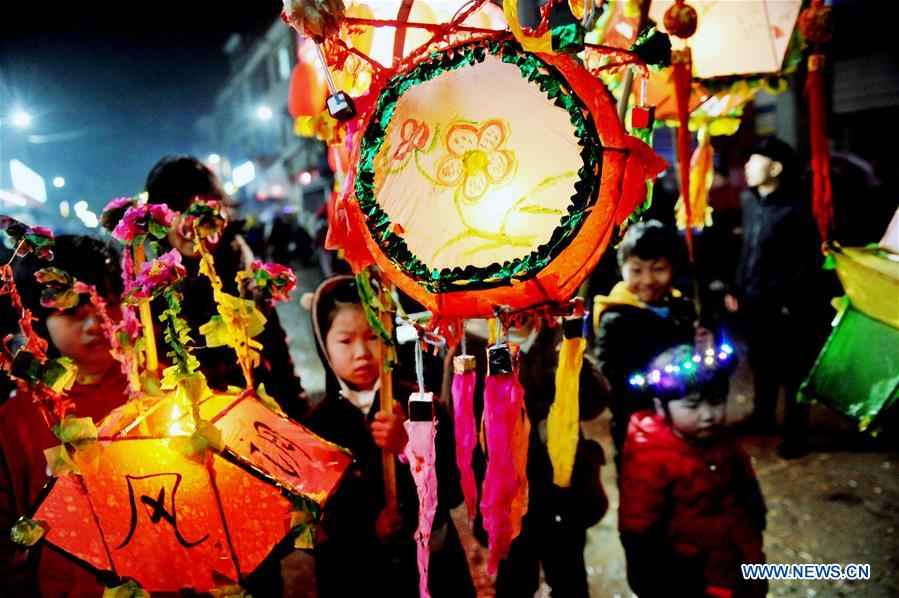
{"type": "Point", "coordinates": [367, 548]}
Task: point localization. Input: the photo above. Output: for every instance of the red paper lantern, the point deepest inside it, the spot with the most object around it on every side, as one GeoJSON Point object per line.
{"type": "Point", "coordinates": [469, 194]}
{"type": "Point", "coordinates": [308, 91]}
{"type": "Point", "coordinates": [816, 24]}
{"type": "Point", "coordinates": [681, 20]}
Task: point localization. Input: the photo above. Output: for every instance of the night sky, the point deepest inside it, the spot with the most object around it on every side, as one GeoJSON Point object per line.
{"type": "Point", "coordinates": [112, 87]}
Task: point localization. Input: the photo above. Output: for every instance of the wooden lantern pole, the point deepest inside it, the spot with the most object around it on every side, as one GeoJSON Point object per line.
{"type": "Point", "coordinates": [146, 317]}
{"type": "Point", "coordinates": [386, 400]}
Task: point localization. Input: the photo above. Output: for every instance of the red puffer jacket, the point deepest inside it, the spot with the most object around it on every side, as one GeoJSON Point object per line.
{"type": "Point", "coordinates": [689, 515]}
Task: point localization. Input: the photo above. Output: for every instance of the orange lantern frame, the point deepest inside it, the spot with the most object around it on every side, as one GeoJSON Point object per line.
{"type": "Point", "coordinates": [611, 183]}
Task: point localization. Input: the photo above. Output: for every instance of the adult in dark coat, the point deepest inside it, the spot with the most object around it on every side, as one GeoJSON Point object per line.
{"type": "Point", "coordinates": [176, 181]}
{"type": "Point", "coordinates": [780, 288]}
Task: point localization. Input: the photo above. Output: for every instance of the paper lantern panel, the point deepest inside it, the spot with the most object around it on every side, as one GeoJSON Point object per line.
{"type": "Point", "coordinates": [168, 522]}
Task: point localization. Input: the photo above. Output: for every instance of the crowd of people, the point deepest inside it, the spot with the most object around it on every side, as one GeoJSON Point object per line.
{"type": "Point", "coordinates": [691, 510]}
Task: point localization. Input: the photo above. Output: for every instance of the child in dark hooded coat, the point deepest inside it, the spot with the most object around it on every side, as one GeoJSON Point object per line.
{"type": "Point", "coordinates": [369, 550]}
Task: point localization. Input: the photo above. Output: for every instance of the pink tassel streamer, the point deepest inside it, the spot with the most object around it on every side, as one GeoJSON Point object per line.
{"type": "Point", "coordinates": [421, 455]}
{"type": "Point", "coordinates": [466, 437]}
{"type": "Point", "coordinates": [504, 499]}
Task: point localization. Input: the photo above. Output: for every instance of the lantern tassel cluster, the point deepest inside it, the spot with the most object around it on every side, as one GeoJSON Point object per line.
{"type": "Point", "coordinates": [562, 425]}
{"type": "Point", "coordinates": [421, 453]}
{"type": "Point", "coordinates": [506, 429]}
{"type": "Point", "coordinates": [816, 26]}
{"type": "Point", "coordinates": [465, 428]}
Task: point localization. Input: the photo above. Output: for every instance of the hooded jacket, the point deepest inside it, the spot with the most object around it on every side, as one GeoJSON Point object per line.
{"type": "Point", "coordinates": [689, 515]}
{"type": "Point", "coordinates": [352, 561]}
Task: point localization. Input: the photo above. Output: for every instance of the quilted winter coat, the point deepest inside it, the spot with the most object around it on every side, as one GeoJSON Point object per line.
{"type": "Point", "coordinates": [689, 514]}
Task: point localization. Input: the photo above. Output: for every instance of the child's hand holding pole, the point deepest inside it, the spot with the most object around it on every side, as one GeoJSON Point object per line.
{"type": "Point", "coordinates": [387, 430]}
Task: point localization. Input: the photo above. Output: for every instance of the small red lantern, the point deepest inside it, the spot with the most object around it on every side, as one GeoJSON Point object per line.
{"type": "Point", "coordinates": [681, 20]}
{"type": "Point", "coordinates": [816, 24]}
{"type": "Point", "coordinates": [308, 91]}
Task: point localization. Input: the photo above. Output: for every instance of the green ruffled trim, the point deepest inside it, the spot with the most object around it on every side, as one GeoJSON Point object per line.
{"type": "Point", "coordinates": [586, 188]}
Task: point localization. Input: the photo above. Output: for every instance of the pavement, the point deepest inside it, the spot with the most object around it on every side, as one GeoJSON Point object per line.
{"type": "Point", "coordinates": [838, 504]}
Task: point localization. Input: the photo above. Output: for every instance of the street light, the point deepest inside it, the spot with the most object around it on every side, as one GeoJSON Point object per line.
{"type": "Point", "coordinates": [21, 119]}
{"type": "Point", "coordinates": [59, 182]}
{"type": "Point", "coordinates": [264, 113]}
{"type": "Point", "coordinates": [214, 159]}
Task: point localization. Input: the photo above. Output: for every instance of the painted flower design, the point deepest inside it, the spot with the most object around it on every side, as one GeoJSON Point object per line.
{"type": "Point", "coordinates": [413, 135]}
{"type": "Point", "coordinates": [157, 275]}
{"type": "Point", "coordinates": [475, 158]}
{"type": "Point", "coordinates": [141, 220]}
{"type": "Point", "coordinates": [274, 279]}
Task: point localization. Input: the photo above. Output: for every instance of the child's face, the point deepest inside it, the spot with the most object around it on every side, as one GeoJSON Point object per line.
{"type": "Point", "coordinates": [78, 335]}
{"type": "Point", "coordinates": [353, 348]}
{"type": "Point", "coordinates": [648, 279]}
{"type": "Point", "coordinates": [695, 417]}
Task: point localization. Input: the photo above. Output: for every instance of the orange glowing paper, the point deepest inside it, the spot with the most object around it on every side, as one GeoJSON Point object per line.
{"type": "Point", "coordinates": [166, 521]}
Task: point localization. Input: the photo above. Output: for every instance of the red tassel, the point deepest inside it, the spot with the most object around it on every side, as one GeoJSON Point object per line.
{"type": "Point", "coordinates": [682, 62]}
{"type": "Point", "coordinates": [822, 204]}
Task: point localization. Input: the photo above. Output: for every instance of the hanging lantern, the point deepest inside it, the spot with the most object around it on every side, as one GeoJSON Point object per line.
{"type": "Point", "coordinates": [308, 91]}
{"type": "Point", "coordinates": [486, 176]}
{"type": "Point", "coordinates": [731, 38]}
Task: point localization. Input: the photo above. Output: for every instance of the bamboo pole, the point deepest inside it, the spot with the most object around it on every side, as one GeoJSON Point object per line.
{"type": "Point", "coordinates": [386, 403]}
{"type": "Point", "coordinates": [146, 317]}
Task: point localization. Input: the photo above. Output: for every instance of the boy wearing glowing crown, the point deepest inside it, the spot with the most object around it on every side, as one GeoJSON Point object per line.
{"type": "Point", "coordinates": [691, 511]}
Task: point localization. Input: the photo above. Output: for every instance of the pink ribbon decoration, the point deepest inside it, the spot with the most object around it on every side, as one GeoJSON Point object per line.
{"type": "Point", "coordinates": [504, 498]}
{"type": "Point", "coordinates": [466, 429]}
{"type": "Point", "coordinates": [421, 453]}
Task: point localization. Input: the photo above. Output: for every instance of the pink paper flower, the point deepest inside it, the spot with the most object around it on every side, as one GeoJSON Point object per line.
{"type": "Point", "coordinates": [205, 217]}
{"type": "Point", "coordinates": [114, 211]}
{"type": "Point", "coordinates": [141, 220]}
{"type": "Point", "coordinates": [158, 275]}
{"type": "Point", "coordinates": [277, 280]}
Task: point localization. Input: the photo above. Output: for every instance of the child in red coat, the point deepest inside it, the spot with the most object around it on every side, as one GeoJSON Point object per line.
{"type": "Point", "coordinates": [691, 511]}
{"type": "Point", "coordinates": [99, 387]}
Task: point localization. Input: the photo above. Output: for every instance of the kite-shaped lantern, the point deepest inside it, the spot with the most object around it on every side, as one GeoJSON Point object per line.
{"type": "Point", "coordinates": [168, 522]}
{"type": "Point", "coordinates": [486, 175]}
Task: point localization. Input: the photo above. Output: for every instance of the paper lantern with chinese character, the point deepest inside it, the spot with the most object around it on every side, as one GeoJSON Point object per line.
{"type": "Point", "coordinates": [737, 38]}
{"type": "Point", "coordinates": [486, 175]}
{"type": "Point", "coordinates": [168, 522]}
